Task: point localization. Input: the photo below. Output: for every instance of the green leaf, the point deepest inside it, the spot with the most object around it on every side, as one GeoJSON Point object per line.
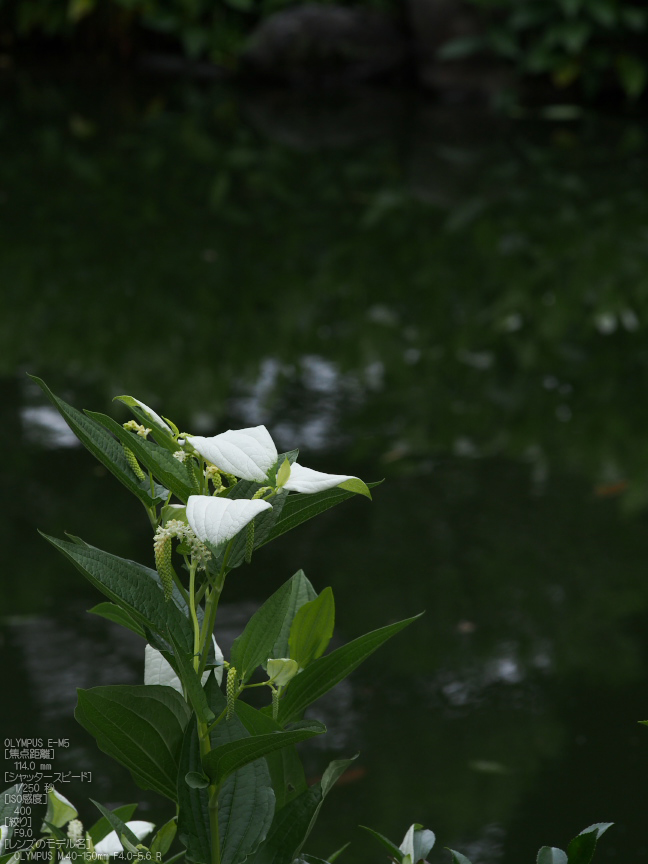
{"type": "Point", "coordinates": [192, 683]}
{"type": "Point", "coordinates": [224, 760]}
{"type": "Point", "coordinates": [161, 435]}
{"type": "Point", "coordinates": [163, 839]}
{"type": "Point", "coordinates": [335, 855]}
{"type": "Point", "coordinates": [102, 827]}
{"type": "Point", "coordinates": [312, 629]}
{"type": "Point", "coordinates": [50, 828]}
{"type": "Point", "coordinates": [458, 858]}
{"type": "Point", "coordinates": [9, 808]}
{"type": "Point", "coordinates": [293, 824]}
{"type": "Point", "coordinates": [355, 485]}
{"type": "Point", "coordinates": [283, 473]}
{"type": "Point", "coordinates": [116, 824]}
{"type": "Point", "coordinates": [59, 809]}
{"type": "Point", "coordinates": [246, 801]}
{"type": "Point", "coordinates": [252, 648]}
{"type": "Point", "coordinates": [140, 726]}
{"type": "Point", "coordinates": [285, 766]}
{"type": "Point", "coordinates": [551, 855]}
{"type": "Point", "coordinates": [301, 592]}
{"type": "Point", "coordinates": [101, 444]}
{"type": "Point", "coordinates": [325, 672]}
{"type": "Point", "coordinates": [134, 588]}
{"type": "Point", "coordinates": [112, 612]}
{"type": "Point", "coordinates": [581, 849]}
{"type": "Point", "coordinates": [196, 780]}
{"type": "Point", "coordinates": [300, 507]}
{"type": "Point", "coordinates": [392, 848]}
{"type": "Point", "coordinates": [159, 461]}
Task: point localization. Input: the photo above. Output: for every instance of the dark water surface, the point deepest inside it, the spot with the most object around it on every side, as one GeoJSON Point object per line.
{"type": "Point", "coordinates": [451, 300]}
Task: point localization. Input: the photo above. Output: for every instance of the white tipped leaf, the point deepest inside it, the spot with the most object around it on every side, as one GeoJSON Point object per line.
{"type": "Point", "coordinates": [246, 453]}
{"type": "Point", "coordinates": [307, 480]}
{"type": "Point", "coordinates": [111, 844]}
{"type": "Point", "coordinates": [154, 417]}
{"type": "Point", "coordinates": [216, 520]}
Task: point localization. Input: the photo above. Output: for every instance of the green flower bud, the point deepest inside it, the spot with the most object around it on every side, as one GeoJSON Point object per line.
{"type": "Point", "coordinates": [275, 703]}
{"type": "Point", "coordinates": [133, 463]}
{"type": "Point", "coordinates": [162, 546]}
{"type": "Point", "coordinates": [232, 690]}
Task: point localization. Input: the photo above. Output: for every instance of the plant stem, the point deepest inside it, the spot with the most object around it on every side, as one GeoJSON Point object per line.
{"type": "Point", "coordinates": [211, 608]}
{"type": "Point", "coordinates": [194, 617]}
{"type": "Point", "coordinates": [213, 824]}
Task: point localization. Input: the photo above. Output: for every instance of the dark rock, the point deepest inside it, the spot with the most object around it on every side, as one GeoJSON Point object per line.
{"type": "Point", "coordinates": [435, 23]}
{"type": "Point", "coordinates": [316, 44]}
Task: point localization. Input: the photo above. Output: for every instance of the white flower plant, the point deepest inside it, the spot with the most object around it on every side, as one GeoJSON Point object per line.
{"type": "Point", "coordinates": [231, 770]}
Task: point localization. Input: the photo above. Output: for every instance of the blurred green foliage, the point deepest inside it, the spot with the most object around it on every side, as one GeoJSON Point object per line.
{"type": "Point", "coordinates": [592, 46]}
{"type": "Point", "coordinates": [212, 29]}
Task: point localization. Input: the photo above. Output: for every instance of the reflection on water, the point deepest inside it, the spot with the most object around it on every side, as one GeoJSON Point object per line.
{"type": "Point", "coordinates": [451, 301]}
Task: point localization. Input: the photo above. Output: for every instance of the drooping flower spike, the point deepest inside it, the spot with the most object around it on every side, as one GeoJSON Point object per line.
{"type": "Point", "coordinates": [250, 454]}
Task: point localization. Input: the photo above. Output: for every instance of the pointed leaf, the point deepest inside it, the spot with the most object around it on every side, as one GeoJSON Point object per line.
{"type": "Point", "coordinates": [163, 840]}
{"type": "Point", "coordinates": [102, 827]}
{"type": "Point", "coordinates": [293, 824]}
{"type": "Point", "coordinates": [457, 857]}
{"type": "Point", "coordinates": [308, 481]}
{"type": "Point", "coordinates": [133, 587]}
{"type": "Point", "coordinates": [581, 849]}
{"type": "Point", "coordinates": [101, 444]}
{"type": "Point", "coordinates": [325, 672]}
{"type": "Point", "coordinates": [252, 648]}
{"type": "Point", "coordinates": [227, 758]}
{"type": "Point", "coordinates": [246, 453]}
{"type": "Point", "coordinates": [119, 829]}
{"type": "Point", "coordinates": [301, 592]}
{"type": "Point", "coordinates": [392, 848]}
{"type": "Point", "coordinates": [158, 460]}
{"type": "Point", "coordinates": [312, 629]}
{"type": "Point", "coordinates": [146, 416]}
{"type": "Point", "coordinates": [301, 507]}
{"type": "Point", "coordinates": [551, 855]}
{"type": "Point", "coordinates": [141, 727]}
{"type": "Point", "coordinates": [112, 612]}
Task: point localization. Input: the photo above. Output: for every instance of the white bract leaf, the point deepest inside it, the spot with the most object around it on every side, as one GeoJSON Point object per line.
{"type": "Point", "coordinates": [4, 830]}
{"type": "Point", "coordinates": [154, 417]}
{"type": "Point", "coordinates": [306, 480]}
{"type": "Point", "coordinates": [215, 520]}
{"type": "Point", "coordinates": [417, 843]}
{"type": "Point", "coordinates": [157, 670]}
{"type": "Point", "coordinates": [246, 453]}
{"type": "Point", "coordinates": [111, 844]}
